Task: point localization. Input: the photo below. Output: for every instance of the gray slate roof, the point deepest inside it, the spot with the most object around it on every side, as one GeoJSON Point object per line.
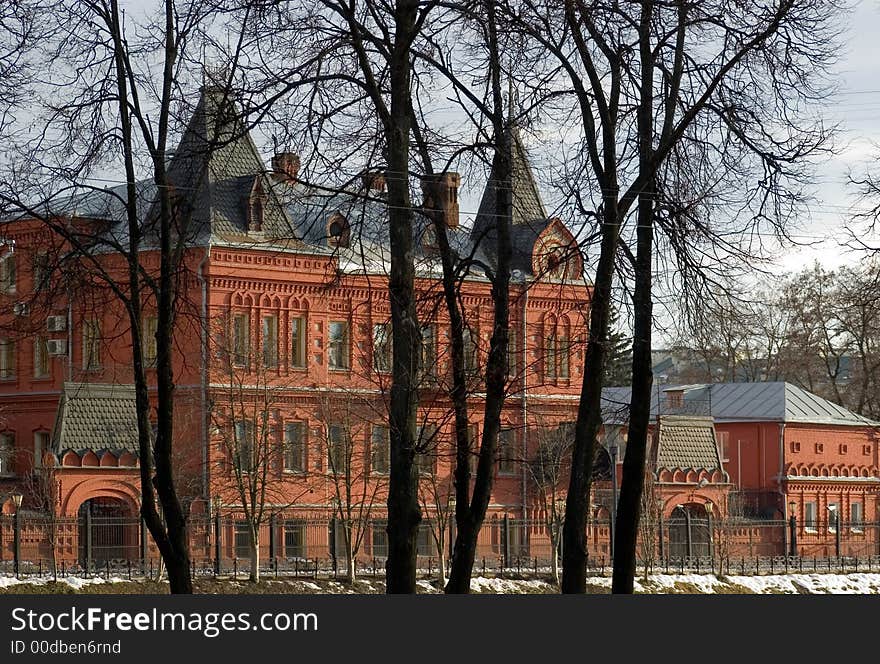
{"type": "Point", "coordinates": [96, 417]}
{"type": "Point", "coordinates": [687, 443]}
{"type": "Point", "coordinates": [529, 214]}
{"type": "Point", "coordinates": [739, 402]}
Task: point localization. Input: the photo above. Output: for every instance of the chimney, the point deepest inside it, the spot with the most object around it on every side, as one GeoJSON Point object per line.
{"type": "Point", "coordinates": [373, 180]}
{"type": "Point", "coordinates": [443, 187]}
{"type": "Point", "coordinates": [285, 167]}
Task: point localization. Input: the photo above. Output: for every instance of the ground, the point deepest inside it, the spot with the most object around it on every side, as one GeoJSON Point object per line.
{"type": "Point", "coordinates": [657, 584]}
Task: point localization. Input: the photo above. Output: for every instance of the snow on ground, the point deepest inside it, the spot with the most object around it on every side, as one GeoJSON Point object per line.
{"type": "Point", "coordinates": [868, 584]}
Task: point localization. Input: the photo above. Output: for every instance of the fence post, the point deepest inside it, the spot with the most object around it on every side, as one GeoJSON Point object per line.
{"type": "Point", "coordinates": [89, 537]}
{"type": "Point", "coordinates": [17, 538]}
{"type": "Point", "coordinates": [506, 562]}
{"type": "Point", "coordinates": [272, 537]}
{"type": "Point", "coordinates": [218, 543]}
{"type": "Point", "coordinates": [143, 538]}
{"type": "Point", "coordinates": [660, 529]}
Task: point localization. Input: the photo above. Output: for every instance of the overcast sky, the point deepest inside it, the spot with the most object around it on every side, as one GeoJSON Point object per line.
{"type": "Point", "coordinates": [857, 109]}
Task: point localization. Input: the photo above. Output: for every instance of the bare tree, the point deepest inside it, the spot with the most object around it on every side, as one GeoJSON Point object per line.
{"type": "Point", "coordinates": [549, 468]}
{"type": "Point", "coordinates": [354, 486]}
{"type": "Point", "coordinates": [104, 103]}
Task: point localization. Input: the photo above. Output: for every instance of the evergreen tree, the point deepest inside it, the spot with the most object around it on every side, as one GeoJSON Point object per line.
{"type": "Point", "coordinates": [618, 363]}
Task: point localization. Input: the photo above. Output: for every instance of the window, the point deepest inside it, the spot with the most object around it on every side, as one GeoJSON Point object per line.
{"type": "Point", "coordinates": [241, 339]}
{"type": "Point", "coordinates": [856, 517]}
{"type": "Point", "coordinates": [7, 273]}
{"type": "Point", "coordinates": [7, 359]}
{"type": "Point", "coordinates": [722, 438]}
{"type": "Point", "coordinates": [41, 358]}
{"type": "Point", "coordinates": [338, 231]}
{"type": "Point", "coordinates": [810, 516]}
{"type": "Point", "coordinates": [795, 447]}
{"type": "Point", "coordinates": [295, 447]}
{"type": "Point", "coordinates": [380, 447]}
{"type": "Point", "coordinates": [833, 516]}
{"type": "Point", "coordinates": [550, 356]}
{"type": "Point", "coordinates": [41, 270]}
{"type": "Point", "coordinates": [429, 351]}
{"type": "Point", "coordinates": [298, 342]}
{"type": "Point", "coordinates": [842, 449]}
{"type": "Point", "coordinates": [150, 327]}
{"type": "Point", "coordinates": [242, 539]}
{"type": "Point", "coordinates": [424, 457]}
{"type": "Point", "coordinates": [425, 541]}
{"type": "Point", "coordinates": [337, 448]}
{"type": "Point", "coordinates": [41, 444]}
{"type": "Point", "coordinates": [91, 345]}
{"type": "Point", "coordinates": [562, 353]}
{"type": "Point", "coordinates": [379, 543]}
{"type": "Point", "coordinates": [506, 451]}
{"type": "Point", "coordinates": [270, 341]}
{"type": "Point", "coordinates": [7, 453]}
{"type": "Point", "coordinates": [339, 345]}
{"type": "Point", "coordinates": [820, 448]}
{"type": "Point", "coordinates": [295, 539]}
{"type": "Point", "coordinates": [510, 369]}
{"type": "Point", "coordinates": [245, 442]}
{"type": "Point", "coordinates": [470, 351]}
{"type": "Point", "coordinates": [382, 347]}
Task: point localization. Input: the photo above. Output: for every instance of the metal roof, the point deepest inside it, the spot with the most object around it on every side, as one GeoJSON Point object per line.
{"type": "Point", "coordinates": [737, 402]}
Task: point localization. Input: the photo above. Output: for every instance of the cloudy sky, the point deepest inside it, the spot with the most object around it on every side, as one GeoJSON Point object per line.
{"type": "Point", "coordinates": [857, 109]}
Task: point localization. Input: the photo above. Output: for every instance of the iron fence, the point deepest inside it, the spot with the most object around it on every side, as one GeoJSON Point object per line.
{"type": "Point", "coordinates": [321, 547]}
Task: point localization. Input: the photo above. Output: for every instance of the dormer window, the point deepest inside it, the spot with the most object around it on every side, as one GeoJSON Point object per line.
{"type": "Point", "coordinates": [256, 207]}
{"type": "Point", "coordinates": [338, 231]}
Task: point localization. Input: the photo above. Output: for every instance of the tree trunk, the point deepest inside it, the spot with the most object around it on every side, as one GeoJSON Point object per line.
{"type": "Point", "coordinates": [589, 418]}
{"type": "Point", "coordinates": [632, 484]}
{"type": "Point", "coordinates": [404, 512]}
{"type": "Point", "coordinates": [255, 555]}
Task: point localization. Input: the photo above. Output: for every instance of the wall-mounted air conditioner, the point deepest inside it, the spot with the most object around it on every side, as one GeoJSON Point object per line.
{"type": "Point", "coordinates": [56, 346]}
{"type": "Point", "coordinates": [56, 323]}
{"type": "Point", "coordinates": [20, 308]}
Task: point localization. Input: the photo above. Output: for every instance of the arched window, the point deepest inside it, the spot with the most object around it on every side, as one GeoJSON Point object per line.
{"type": "Point", "coordinates": [338, 231]}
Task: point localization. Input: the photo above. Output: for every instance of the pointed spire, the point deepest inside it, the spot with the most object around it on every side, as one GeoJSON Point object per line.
{"type": "Point", "coordinates": [527, 204]}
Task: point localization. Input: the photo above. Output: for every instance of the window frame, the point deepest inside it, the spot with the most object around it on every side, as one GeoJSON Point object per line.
{"type": "Point", "coordinates": [288, 449]}
{"type": "Point", "coordinates": [269, 341]}
{"type": "Point", "coordinates": [811, 524]}
{"type": "Point", "coordinates": [298, 344]}
{"type": "Point", "coordinates": [384, 437]}
{"type": "Point", "coordinates": [42, 366]}
{"type": "Point", "coordinates": [8, 359]}
{"type": "Point", "coordinates": [241, 339]}
{"type": "Point", "coordinates": [339, 349]}
{"type": "Point", "coordinates": [856, 525]}
{"type": "Point", "coordinates": [7, 454]}
{"type": "Point", "coordinates": [91, 345]}
{"type": "Point", "coordinates": [382, 347]}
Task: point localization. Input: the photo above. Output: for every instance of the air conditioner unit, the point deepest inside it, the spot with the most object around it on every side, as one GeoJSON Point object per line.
{"type": "Point", "coordinates": [20, 308]}
{"type": "Point", "coordinates": [56, 323]}
{"type": "Point", "coordinates": [56, 346]}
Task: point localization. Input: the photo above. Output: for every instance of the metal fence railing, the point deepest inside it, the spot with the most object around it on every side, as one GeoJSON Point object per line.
{"type": "Point", "coordinates": [309, 546]}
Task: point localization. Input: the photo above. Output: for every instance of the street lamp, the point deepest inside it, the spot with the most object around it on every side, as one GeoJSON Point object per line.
{"type": "Point", "coordinates": [792, 528]}
{"type": "Point", "coordinates": [16, 499]}
{"type": "Point", "coordinates": [217, 504]}
{"type": "Point", "coordinates": [835, 517]}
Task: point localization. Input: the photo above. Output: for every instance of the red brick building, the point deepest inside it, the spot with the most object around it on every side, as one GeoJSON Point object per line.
{"type": "Point", "coordinates": [285, 294]}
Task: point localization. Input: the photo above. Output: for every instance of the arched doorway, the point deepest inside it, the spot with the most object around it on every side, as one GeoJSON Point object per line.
{"type": "Point", "coordinates": [107, 532]}
{"type": "Point", "coordinates": [689, 532]}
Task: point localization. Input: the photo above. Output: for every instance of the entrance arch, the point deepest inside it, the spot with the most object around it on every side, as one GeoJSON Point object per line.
{"type": "Point", "coordinates": [108, 532]}
{"type": "Point", "coordinates": [689, 535]}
